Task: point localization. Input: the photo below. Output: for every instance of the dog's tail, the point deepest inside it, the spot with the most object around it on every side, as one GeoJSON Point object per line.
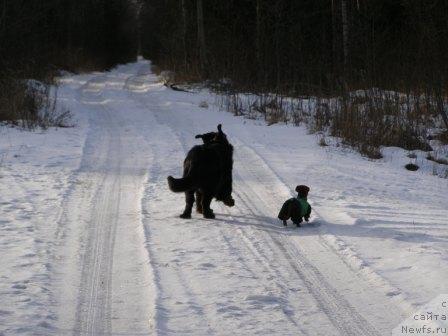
{"type": "Point", "coordinates": [180, 184]}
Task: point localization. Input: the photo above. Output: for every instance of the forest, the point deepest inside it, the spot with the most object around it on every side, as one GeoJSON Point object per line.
{"type": "Point", "coordinates": [40, 38]}
{"type": "Point", "coordinates": [299, 46]}
{"type": "Point", "coordinates": [319, 48]}
{"type": "Point", "coordinates": [377, 69]}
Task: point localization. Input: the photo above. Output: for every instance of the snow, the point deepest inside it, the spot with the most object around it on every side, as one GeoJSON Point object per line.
{"type": "Point", "coordinates": [91, 242]}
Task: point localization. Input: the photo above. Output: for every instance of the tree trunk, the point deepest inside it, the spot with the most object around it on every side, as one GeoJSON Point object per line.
{"type": "Point", "coordinates": [345, 33]}
{"type": "Point", "coordinates": [444, 116]}
{"type": "Point", "coordinates": [440, 103]}
{"type": "Point", "coordinates": [344, 19]}
{"type": "Point", "coordinates": [139, 28]}
{"type": "Point", "coordinates": [184, 33]}
{"type": "Point", "coordinates": [334, 34]}
{"type": "Point", "coordinates": [201, 39]}
{"type": "Point", "coordinates": [69, 23]}
{"type": "Point", "coordinates": [258, 38]}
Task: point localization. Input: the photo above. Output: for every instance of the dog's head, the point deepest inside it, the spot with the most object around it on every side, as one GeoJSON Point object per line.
{"type": "Point", "coordinates": [302, 190]}
{"type": "Point", "coordinates": [214, 137]}
{"type": "Point", "coordinates": [207, 137]}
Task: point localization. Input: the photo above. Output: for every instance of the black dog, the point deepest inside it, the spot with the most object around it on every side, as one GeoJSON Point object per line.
{"type": "Point", "coordinates": [208, 173]}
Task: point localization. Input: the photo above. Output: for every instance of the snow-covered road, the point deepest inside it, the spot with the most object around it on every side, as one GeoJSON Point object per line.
{"type": "Point", "coordinates": [121, 262]}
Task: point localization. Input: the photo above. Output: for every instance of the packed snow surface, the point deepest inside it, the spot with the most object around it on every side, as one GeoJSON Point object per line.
{"type": "Point", "coordinates": [91, 242]}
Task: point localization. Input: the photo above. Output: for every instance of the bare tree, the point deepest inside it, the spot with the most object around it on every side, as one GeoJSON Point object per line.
{"type": "Point", "coordinates": [258, 34]}
{"type": "Point", "coordinates": [201, 39]}
{"type": "Point", "coordinates": [184, 32]}
{"type": "Point", "coordinates": [345, 33]}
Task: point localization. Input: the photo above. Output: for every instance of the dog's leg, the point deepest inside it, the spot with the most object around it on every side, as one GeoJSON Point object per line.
{"type": "Point", "coordinates": [189, 200]}
{"type": "Point", "coordinates": [199, 201]}
{"type": "Point", "coordinates": [206, 200]}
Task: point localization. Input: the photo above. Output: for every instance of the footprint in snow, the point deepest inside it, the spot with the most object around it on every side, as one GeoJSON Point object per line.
{"type": "Point", "coordinates": [206, 266]}
{"type": "Point", "coordinates": [263, 300]}
{"type": "Point", "coordinates": [393, 293]}
{"type": "Point", "coordinates": [230, 311]}
{"type": "Point", "coordinates": [19, 286]}
{"type": "Point", "coordinates": [404, 268]}
{"type": "Point", "coordinates": [5, 313]}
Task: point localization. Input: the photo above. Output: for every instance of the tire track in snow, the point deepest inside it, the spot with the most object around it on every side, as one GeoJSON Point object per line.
{"type": "Point", "coordinates": [105, 240]}
{"type": "Point", "coordinates": [184, 289]}
{"type": "Point", "coordinates": [344, 317]}
{"type": "Point", "coordinates": [252, 264]}
{"type": "Point", "coordinates": [262, 240]}
{"type": "Point", "coordinates": [261, 260]}
{"type": "Point", "coordinates": [156, 178]}
{"type": "Point", "coordinates": [259, 254]}
{"type": "Point", "coordinates": [332, 244]}
{"type": "Point", "coordinates": [94, 308]}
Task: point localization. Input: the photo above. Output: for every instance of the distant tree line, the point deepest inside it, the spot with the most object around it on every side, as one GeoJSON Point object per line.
{"type": "Point", "coordinates": [65, 34]}
{"type": "Point", "coordinates": [38, 38]}
{"type": "Point", "coordinates": [293, 47]}
{"type": "Point", "coordinates": [301, 45]}
{"type": "Point", "coordinates": [287, 45]}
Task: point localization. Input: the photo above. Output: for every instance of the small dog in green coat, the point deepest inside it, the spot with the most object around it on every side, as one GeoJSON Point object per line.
{"type": "Point", "coordinates": [296, 208]}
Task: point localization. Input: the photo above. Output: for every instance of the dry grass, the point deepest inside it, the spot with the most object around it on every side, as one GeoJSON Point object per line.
{"type": "Point", "coordinates": [323, 142]}
{"type": "Point", "coordinates": [442, 137]}
{"type": "Point", "coordinates": [379, 118]}
{"type": "Point", "coordinates": [364, 120]}
{"type": "Point", "coordinates": [31, 104]}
